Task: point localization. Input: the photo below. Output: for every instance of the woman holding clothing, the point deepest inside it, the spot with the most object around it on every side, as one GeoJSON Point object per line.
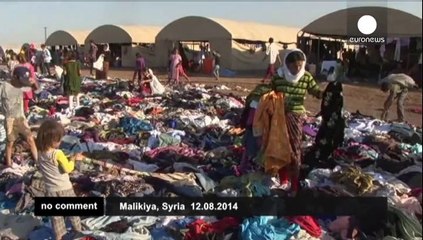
{"type": "Point", "coordinates": [294, 82]}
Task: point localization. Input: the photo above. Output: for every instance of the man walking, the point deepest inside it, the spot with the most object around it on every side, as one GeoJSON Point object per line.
{"type": "Point", "coordinates": [216, 69]}
{"type": "Point", "coordinates": [273, 53]}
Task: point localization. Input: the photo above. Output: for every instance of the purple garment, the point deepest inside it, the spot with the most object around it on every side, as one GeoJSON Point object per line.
{"type": "Point", "coordinates": [309, 131]}
{"type": "Point", "coordinates": [17, 188]}
{"type": "Point", "coordinates": [140, 64]}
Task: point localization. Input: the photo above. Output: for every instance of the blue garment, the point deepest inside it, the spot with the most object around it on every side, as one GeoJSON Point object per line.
{"type": "Point", "coordinates": [41, 233]}
{"type": "Point", "coordinates": [207, 183]}
{"type": "Point", "coordinates": [414, 149]}
{"type": "Point", "coordinates": [160, 234]}
{"type": "Point", "coordinates": [70, 144]}
{"type": "Point", "coordinates": [7, 203]}
{"type": "Point", "coordinates": [44, 95]}
{"type": "Point", "coordinates": [182, 223]}
{"type": "Point", "coordinates": [259, 189]}
{"type": "Point", "coordinates": [133, 126]}
{"type": "Point", "coordinates": [250, 143]}
{"type": "Point", "coordinates": [268, 228]}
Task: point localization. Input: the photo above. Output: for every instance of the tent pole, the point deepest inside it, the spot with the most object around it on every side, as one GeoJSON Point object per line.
{"type": "Point", "coordinates": [318, 53]}
{"type": "Point", "coordinates": [408, 57]}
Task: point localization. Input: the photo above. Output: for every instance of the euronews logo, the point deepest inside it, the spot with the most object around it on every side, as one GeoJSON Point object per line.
{"type": "Point", "coordinates": [367, 26]}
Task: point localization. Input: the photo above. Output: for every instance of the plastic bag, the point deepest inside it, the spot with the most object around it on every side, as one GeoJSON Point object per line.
{"type": "Point", "coordinates": [98, 65]}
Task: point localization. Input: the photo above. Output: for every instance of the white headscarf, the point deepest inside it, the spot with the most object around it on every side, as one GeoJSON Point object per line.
{"type": "Point", "coordinates": [156, 86]}
{"type": "Point", "coordinates": [284, 71]}
{"type": "Point", "coordinates": [106, 47]}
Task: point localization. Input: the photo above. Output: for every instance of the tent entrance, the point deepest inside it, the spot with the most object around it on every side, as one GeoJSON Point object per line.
{"type": "Point", "coordinates": [116, 52]}
{"type": "Point", "coordinates": [194, 54]}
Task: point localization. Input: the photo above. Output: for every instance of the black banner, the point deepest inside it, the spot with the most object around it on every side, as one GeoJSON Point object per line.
{"type": "Point", "coordinates": [244, 207]}
{"type": "Point", "coordinates": [69, 206]}
{"type": "Point", "coordinates": [371, 207]}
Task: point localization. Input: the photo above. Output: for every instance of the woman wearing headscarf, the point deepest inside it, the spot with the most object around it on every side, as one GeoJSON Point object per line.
{"type": "Point", "coordinates": [175, 63]}
{"type": "Point", "coordinates": [331, 132]}
{"type": "Point", "coordinates": [294, 82]}
{"type": "Point", "coordinates": [106, 62]}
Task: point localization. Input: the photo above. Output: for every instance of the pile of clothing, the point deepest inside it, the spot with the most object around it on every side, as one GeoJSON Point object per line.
{"type": "Point", "coordinates": [188, 142]}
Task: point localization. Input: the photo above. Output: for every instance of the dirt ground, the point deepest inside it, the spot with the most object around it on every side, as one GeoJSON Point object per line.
{"type": "Point", "coordinates": [361, 97]}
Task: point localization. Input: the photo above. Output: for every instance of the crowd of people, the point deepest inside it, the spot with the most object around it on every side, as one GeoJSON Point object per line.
{"type": "Point", "coordinates": [273, 117]}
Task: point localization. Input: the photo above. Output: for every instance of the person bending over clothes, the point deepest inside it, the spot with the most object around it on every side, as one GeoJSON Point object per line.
{"type": "Point", "coordinates": [294, 82]}
{"type": "Point", "coordinates": [12, 108]}
{"type": "Point", "coordinates": [397, 85]}
{"type": "Point", "coordinates": [55, 168]}
{"type": "Point", "coordinates": [152, 84]}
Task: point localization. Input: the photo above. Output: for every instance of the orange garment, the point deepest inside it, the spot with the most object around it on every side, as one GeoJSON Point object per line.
{"type": "Point", "coordinates": [270, 123]}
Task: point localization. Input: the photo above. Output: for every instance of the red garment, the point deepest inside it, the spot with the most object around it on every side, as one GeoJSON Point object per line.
{"type": "Point", "coordinates": [309, 224]}
{"type": "Point", "coordinates": [28, 95]}
{"type": "Point", "coordinates": [52, 111]}
{"type": "Point", "coordinates": [122, 141]}
{"type": "Point", "coordinates": [146, 89]}
{"type": "Point", "coordinates": [295, 184]}
{"type": "Point", "coordinates": [284, 178]}
{"type": "Point", "coordinates": [26, 105]}
{"type": "Point", "coordinates": [270, 72]}
{"type": "Point", "coordinates": [134, 101]}
{"type": "Point", "coordinates": [236, 150]}
{"type": "Point", "coordinates": [182, 71]}
{"type": "Point", "coordinates": [199, 228]}
{"type": "Point", "coordinates": [416, 192]}
{"type": "Point", "coordinates": [283, 175]}
{"type": "Point", "coordinates": [88, 238]}
{"type": "Point", "coordinates": [62, 101]}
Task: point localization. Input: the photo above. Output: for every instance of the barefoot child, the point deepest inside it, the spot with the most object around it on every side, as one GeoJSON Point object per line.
{"type": "Point", "coordinates": [55, 168]}
{"type": "Point", "coordinates": [139, 69]}
{"type": "Point", "coordinates": [12, 107]}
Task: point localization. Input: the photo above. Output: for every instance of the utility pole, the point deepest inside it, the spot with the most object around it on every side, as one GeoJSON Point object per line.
{"type": "Point", "coordinates": [45, 34]}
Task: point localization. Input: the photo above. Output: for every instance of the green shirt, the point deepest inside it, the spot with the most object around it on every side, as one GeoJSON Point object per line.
{"type": "Point", "coordinates": [257, 92]}
{"type": "Point", "coordinates": [295, 92]}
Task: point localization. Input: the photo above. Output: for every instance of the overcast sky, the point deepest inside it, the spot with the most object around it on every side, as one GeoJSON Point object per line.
{"type": "Point", "coordinates": [25, 21]}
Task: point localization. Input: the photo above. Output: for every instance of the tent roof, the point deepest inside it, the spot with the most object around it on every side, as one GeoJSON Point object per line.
{"type": "Point", "coordinates": [123, 34]}
{"type": "Point", "coordinates": [195, 28]}
{"type": "Point", "coordinates": [66, 38]}
{"type": "Point", "coordinates": [258, 32]}
{"type": "Point", "coordinates": [397, 24]}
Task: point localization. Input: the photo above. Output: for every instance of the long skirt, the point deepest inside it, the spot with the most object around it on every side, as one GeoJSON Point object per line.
{"type": "Point", "coordinates": [295, 131]}
{"type": "Point", "coordinates": [294, 123]}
